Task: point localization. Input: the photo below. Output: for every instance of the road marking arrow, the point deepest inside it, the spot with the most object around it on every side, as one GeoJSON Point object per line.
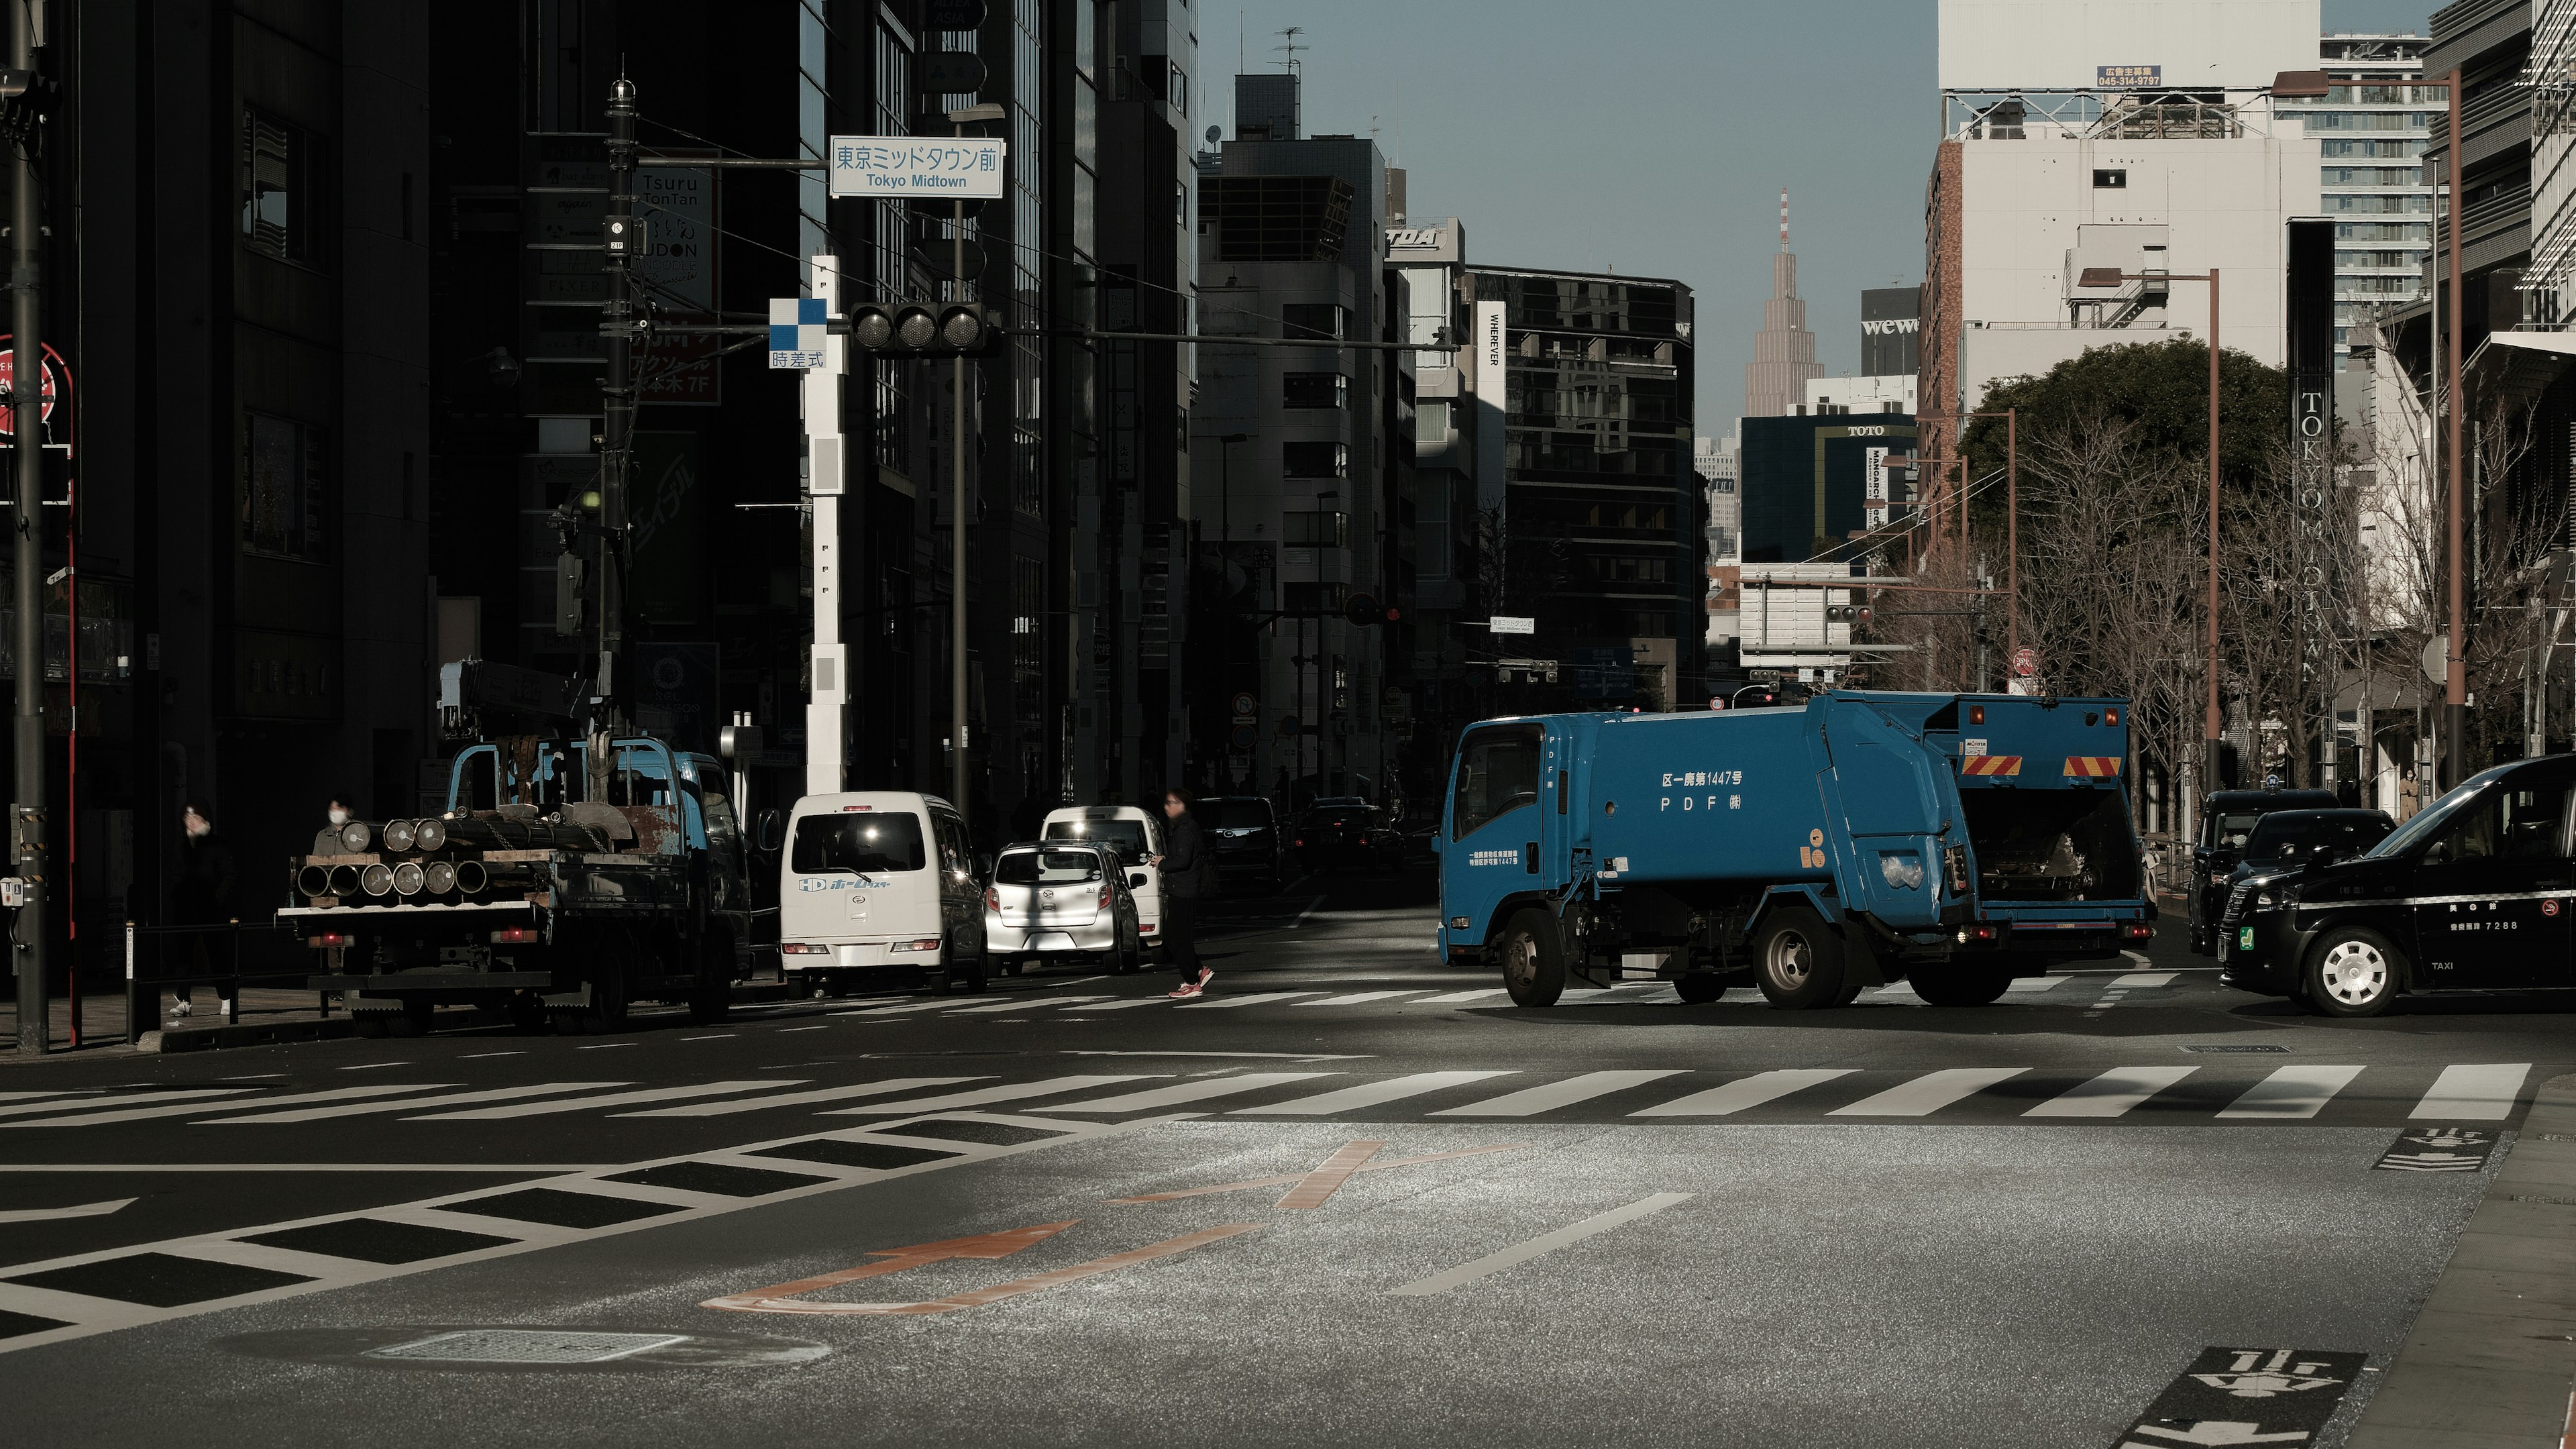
{"type": "Point", "coordinates": [82, 1210]}
{"type": "Point", "coordinates": [779, 1298]}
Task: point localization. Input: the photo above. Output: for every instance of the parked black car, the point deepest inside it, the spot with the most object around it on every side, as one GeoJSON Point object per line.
{"type": "Point", "coordinates": [2289, 840]}
{"type": "Point", "coordinates": [1246, 836]}
{"type": "Point", "coordinates": [1346, 837]}
{"type": "Point", "coordinates": [2478, 892]}
{"type": "Point", "coordinates": [2226, 818]}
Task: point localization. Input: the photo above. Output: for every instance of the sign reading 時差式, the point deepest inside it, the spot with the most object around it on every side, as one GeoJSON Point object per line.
{"type": "Point", "coordinates": [957, 169]}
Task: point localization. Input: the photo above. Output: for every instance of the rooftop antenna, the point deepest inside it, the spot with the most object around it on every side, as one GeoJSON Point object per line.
{"type": "Point", "coordinates": [1784, 218]}
{"type": "Point", "coordinates": [1292, 47]}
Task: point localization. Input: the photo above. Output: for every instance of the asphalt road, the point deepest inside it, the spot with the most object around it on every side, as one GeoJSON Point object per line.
{"type": "Point", "coordinates": [1350, 1198]}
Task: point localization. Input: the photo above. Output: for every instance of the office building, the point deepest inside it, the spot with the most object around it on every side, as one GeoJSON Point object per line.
{"type": "Point", "coordinates": [1806, 485]}
{"type": "Point", "coordinates": [1432, 692]}
{"type": "Point", "coordinates": [1891, 331]}
{"type": "Point", "coordinates": [2371, 129]}
{"type": "Point", "coordinates": [1784, 351]}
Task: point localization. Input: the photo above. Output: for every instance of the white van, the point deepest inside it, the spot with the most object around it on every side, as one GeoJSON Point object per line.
{"type": "Point", "coordinates": [879, 882]}
{"type": "Point", "coordinates": [1137, 833]}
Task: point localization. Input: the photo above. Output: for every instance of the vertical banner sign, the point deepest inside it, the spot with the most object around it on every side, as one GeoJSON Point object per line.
{"type": "Point", "coordinates": [1492, 376]}
{"type": "Point", "coordinates": [665, 512]}
{"type": "Point", "coordinates": [2310, 314]}
{"type": "Point", "coordinates": [1874, 488]}
{"type": "Point", "coordinates": [678, 275]}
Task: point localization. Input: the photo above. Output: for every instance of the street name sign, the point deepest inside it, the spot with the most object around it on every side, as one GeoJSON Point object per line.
{"type": "Point", "coordinates": [913, 167]}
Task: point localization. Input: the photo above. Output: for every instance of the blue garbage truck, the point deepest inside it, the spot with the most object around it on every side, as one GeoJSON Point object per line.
{"type": "Point", "coordinates": [1815, 850]}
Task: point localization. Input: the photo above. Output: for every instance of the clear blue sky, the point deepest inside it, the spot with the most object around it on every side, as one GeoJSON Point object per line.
{"type": "Point", "coordinates": [1652, 136]}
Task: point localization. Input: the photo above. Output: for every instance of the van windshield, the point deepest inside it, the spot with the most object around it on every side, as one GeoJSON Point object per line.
{"type": "Point", "coordinates": [1127, 835]}
{"type": "Point", "coordinates": [1047, 867]}
{"type": "Point", "coordinates": [869, 844]}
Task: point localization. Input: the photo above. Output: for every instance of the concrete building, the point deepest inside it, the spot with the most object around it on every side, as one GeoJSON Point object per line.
{"type": "Point", "coordinates": [2370, 130]}
{"type": "Point", "coordinates": [1784, 351]}
{"type": "Point", "coordinates": [2134, 134]}
{"type": "Point", "coordinates": [1431, 691]}
{"type": "Point", "coordinates": [1834, 396]}
{"type": "Point", "coordinates": [1891, 331]}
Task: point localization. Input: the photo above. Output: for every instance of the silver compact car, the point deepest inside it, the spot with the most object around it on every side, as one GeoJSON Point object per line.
{"type": "Point", "coordinates": [1061, 901]}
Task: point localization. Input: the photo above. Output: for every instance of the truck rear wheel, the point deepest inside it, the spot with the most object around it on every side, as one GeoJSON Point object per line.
{"type": "Point", "coordinates": [1799, 961]}
{"type": "Point", "coordinates": [1972, 986]}
{"type": "Point", "coordinates": [1533, 959]}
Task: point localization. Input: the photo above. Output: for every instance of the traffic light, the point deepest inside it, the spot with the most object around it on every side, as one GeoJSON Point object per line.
{"type": "Point", "coordinates": [1847, 613]}
{"type": "Point", "coordinates": [1364, 610]}
{"type": "Point", "coordinates": [924, 329]}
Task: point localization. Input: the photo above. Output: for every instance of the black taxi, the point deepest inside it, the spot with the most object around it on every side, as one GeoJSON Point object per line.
{"type": "Point", "coordinates": [2476, 893]}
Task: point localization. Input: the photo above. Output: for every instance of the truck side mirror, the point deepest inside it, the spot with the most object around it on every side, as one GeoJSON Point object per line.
{"type": "Point", "coordinates": [770, 832]}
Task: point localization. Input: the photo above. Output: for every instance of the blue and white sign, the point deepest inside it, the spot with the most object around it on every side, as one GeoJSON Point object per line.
{"type": "Point", "coordinates": [953, 169]}
{"type": "Point", "coordinates": [796, 329]}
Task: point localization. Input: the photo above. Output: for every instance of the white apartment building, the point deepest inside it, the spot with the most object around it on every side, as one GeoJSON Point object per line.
{"type": "Point", "coordinates": [2370, 131]}
{"type": "Point", "coordinates": [1830, 396]}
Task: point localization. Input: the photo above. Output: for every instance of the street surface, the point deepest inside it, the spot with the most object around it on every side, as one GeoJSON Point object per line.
{"type": "Point", "coordinates": [1350, 1198]}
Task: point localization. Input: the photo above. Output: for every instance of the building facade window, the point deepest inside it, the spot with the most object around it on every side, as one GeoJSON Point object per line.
{"type": "Point", "coordinates": [1315, 460]}
{"type": "Point", "coordinates": [1314, 390]}
{"type": "Point", "coordinates": [282, 488]}
{"type": "Point", "coordinates": [1316, 529]}
{"type": "Point", "coordinates": [283, 189]}
{"type": "Point", "coordinates": [1324, 321]}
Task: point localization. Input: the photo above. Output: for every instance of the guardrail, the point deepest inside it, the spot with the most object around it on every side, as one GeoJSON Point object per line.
{"type": "Point", "coordinates": [146, 980]}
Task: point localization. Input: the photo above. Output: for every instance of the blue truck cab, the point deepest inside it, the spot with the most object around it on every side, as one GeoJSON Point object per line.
{"type": "Point", "coordinates": [1817, 850]}
{"type": "Point", "coordinates": [2044, 784]}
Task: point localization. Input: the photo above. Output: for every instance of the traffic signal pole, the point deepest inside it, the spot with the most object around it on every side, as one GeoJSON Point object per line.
{"type": "Point", "coordinates": [827, 702]}
{"type": "Point", "coordinates": [957, 534]}
{"type": "Point", "coordinates": [26, 398]}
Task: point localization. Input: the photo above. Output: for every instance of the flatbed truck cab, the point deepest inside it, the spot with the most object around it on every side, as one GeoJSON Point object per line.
{"type": "Point", "coordinates": [1815, 850]}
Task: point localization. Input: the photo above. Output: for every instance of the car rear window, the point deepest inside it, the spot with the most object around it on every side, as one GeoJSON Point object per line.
{"type": "Point", "coordinates": [1127, 835]}
{"type": "Point", "coordinates": [1047, 867]}
{"type": "Point", "coordinates": [869, 844]}
{"type": "Point", "coordinates": [1239, 814]}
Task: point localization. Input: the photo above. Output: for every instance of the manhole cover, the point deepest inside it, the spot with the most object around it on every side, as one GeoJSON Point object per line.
{"type": "Point", "coordinates": [2246, 1048]}
{"type": "Point", "coordinates": [522, 1345]}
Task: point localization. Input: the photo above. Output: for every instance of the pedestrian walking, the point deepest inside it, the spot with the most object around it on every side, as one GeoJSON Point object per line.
{"type": "Point", "coordinates": [335, 814]}
{"type": "Point", "coordinates": [203, 894]}
{"type": "Point", "coordinates": [1188, 874]}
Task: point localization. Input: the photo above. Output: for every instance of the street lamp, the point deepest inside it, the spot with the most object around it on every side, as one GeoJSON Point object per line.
{"type": "Point", "coordinates": [2112, 277]}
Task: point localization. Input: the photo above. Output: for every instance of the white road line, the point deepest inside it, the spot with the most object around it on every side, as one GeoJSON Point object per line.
{"type": "Point", "coordinates": [1356, 997]}
{"type": "Point", "coordinates": [2035, 983]}
{"type": "Point", "coordinates": [1459, 996]}
{"type": "Point", "coordinates": [371, 1066]}
{"type": "Point", "coordinates": [719, 1036]}
{"type": "Point", "coordinates": [164, 1107]}
{"type": "Point", "coordinates": [1530, 1101]}
{"type": "Point", "coordinates": [1154, 1099]}
{"type": "Point", "coordinates": [2147, 978]}
{"type": "Point", "coordinates": [2111, 1094]}
{"type": "Point", "coordinates": [1022, 1003]}
{"type": "Point", "coordinates": [1016, 1091]}
{"type": "Point", "coordinates": [1368, 1094]}
{"type": "Point", "coordinates": [1739, 1095]}
{"type": "Point", "coordinates": [1130, 1003]}
{"type": "Point", "coordinates": [1545, 1243]}
{"type": "Point", "coordinates": [935, 1005]}
{"type": "Point", "coordinates": [613, 1099]}
{"type": "Point", "coordinates": [1257, 998]}
{"type": "Point", "coordinates": [801, 1099]}
{"type": "Point", "coordinates": [1302, 915]}
{"type": "Point", "coordinates": [73, 1092]}
{"type": "Point", "coordinates": [2292, 1092]}
{"type": "Point", "coordinates": [1928, 1093]}
{"type": "Point", "coordinates": [2474, 1093]}
{"type": "Point", "coordinates": [478, 1056]}
{"type": "Point", "coordinates": [2139, 957]}
{"type": "Point", "coordinates": [354, 1109]}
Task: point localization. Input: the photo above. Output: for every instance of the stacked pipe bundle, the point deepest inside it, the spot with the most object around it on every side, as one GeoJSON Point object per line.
{"type": "Point", "coordinates": [441, 877]}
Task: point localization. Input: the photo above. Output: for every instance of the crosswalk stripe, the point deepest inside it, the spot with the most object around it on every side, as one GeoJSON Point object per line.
{"type": "Point", "coordinates": [2474, 1093]}
{"type": "Point", "coordinates": [801, 1099]}
{"type": "Point", "coordinates": [1356, 997]}
{"type": "Point", "coordinates": [898, 1009]}
{"type": "Point", "coordinates": [83, 1104]}
{"type": "Point", "coordinates": [1025, 1004]}
{"type": "Point", "coordinates": [1530, 1101]}
{"type": "Point", "coordinates": [77, 1092]}
{"type": "Point", "coordinates": [2037, 983]}
{"type": "Point", "coordinates": [2147, 978]}
{"type": "Point", "coordinates": [1929, 1093]}
{"type": "Point", "coordinates": [1748, 1092]}
{"type": "Point", "coordinates": [165, 1108]}
{"type": "Point", "coordinates": [1368, 1094]}
{"type": "Point", "coordinates": [353, 1109]}
{"type": "Point", "coordinates": [1130, 1003]}
{"type": "Point", "coordinates": [2112, 1093]}
{"type": "Point", "coordinates": [613, 1099]}
{"type": "Point", "coordinates": [1220, 1003]}
{"type": "Point", "coordinates": [2292, 1092]}
{"type": "Point", "coordinates": [1053, 1086]}
{"type": "Point", "coordinates": [1156, 1098]}
{"type": "Point", "coordinates": [1460, 996]}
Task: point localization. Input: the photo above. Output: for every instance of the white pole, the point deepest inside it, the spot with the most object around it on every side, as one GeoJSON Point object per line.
{"type": "Point", "coordinates": [822, 388]}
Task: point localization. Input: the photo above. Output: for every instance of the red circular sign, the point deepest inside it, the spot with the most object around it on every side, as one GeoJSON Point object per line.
{"type": "Point", "coordinates": [52, 384]}
{"type": "Point", "coordinates": [2549, 908]}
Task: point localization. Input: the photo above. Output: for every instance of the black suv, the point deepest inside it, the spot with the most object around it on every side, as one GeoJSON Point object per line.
{"type": "Point", "coordinates": [2226, 819]}
{"type": "Point", "coordinates": [1346, 836]}
{"type": "Point", "coordinates": [1244, 833]}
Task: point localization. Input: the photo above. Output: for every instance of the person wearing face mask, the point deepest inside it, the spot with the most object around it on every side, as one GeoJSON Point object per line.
{"type": "Point", "coordinates": [337, 814]}
{"type": "Point", "coordinates": [203, 893]}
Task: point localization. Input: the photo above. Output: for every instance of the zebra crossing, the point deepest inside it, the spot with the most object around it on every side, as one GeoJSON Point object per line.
{"type": "Point", "coordinates": [2162, 1093]}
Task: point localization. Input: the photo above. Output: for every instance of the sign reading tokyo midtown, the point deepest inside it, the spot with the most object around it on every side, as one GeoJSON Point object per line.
{"type": "Point", "coordinates": [2127, 77]}
{"type": "Point", "coordinates": [959, 169]}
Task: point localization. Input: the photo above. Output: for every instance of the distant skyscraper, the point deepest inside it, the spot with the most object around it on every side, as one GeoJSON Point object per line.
{"type": "Point", "coordinates": [1784, 351]}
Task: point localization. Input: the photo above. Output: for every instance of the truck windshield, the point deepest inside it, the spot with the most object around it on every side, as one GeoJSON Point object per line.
{"type": "Point", "coordinates": [2052, 845]}
{"type": "Point", "coordinates": [868, 844]}
{"type": "Point", "coordinates": [1127, 835]}
{"type": "Point", "coordinates": [1497, 774]}
{"type": "Point", "coordinates": [1047, 867]}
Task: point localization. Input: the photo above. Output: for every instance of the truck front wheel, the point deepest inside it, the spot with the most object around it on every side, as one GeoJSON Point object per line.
{"type": "Point", "coordinates": [1800, 960]}
{"type": "Point", "coordinates": [1533, 959]}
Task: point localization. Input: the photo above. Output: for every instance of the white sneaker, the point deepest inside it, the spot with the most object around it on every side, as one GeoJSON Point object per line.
{"type": "Point", "coordinates": [182, 1008]}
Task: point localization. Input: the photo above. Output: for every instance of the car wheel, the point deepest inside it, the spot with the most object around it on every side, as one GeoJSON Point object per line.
{"type": "Point", "coordinates": [1700, 987]}
{"type": "Point", "coordinates": [1533, 960]}
{"type": "Point", "coordinates": [2352, 972]}
{"type": "Point", "coordinates": [1970, 987]}
{"type": "Point", "coordinates": [1799, 962]}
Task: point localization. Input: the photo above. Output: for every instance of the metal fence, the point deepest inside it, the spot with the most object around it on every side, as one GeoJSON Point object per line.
{"type": "Point", "coordinates": [225, 955]}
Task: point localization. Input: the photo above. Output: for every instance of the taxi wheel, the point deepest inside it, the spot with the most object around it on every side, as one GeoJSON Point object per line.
{"type": "Point", "coordinates": [1798, 961]}
{"type": "Point", "coordinates": [2352, 972]}
{"type": "Point", "coordinates": [1533, 960]}
{"type": "Point", "coordinates": [1700, 987]}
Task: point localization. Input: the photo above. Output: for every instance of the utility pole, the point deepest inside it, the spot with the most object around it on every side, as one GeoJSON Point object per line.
{"type": "Point", "coordinates": [828, 704]}
{"type": "Point", "coordinates": [957, 522]}
{"type": "Point", "coordinates": [616, 436]}
{"type": "Point", "coordinates": [27, 403]}
{"type": "Point", "coordinates": [2455, 708]}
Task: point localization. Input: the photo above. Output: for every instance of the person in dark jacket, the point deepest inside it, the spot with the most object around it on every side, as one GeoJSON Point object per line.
{"type": "Point", "coordinates": [203, 893]}
{"type": "Point", "coordinates": [1189, 873]}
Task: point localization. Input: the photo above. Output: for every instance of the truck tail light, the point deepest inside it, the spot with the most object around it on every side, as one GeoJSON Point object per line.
{"type": "Point", "coordinates": [2111, 716]}
{"type": "Point", "coordinates": [515, 936]}
{"type": "Point", "coordinates": [1301, 841]}
{"type": "Point", "coordinates": [2137, 931]}
{"type": "Point", "coordinates": [1976, 714]}
{"type": "Point", "coordinates": [327, 939]}
{"type": "Point", "coordinates": [1981, 933]}
{"type": "Point", "coordinates": [1955, 861]}
{"type": "Point", "coordinates": [795, 948]}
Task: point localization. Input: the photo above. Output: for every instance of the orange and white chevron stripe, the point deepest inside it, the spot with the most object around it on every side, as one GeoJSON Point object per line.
{"type": "Point", "coordinates": [1990, 765]}
{"type": "Point", "coordinates": [2093, 767]}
